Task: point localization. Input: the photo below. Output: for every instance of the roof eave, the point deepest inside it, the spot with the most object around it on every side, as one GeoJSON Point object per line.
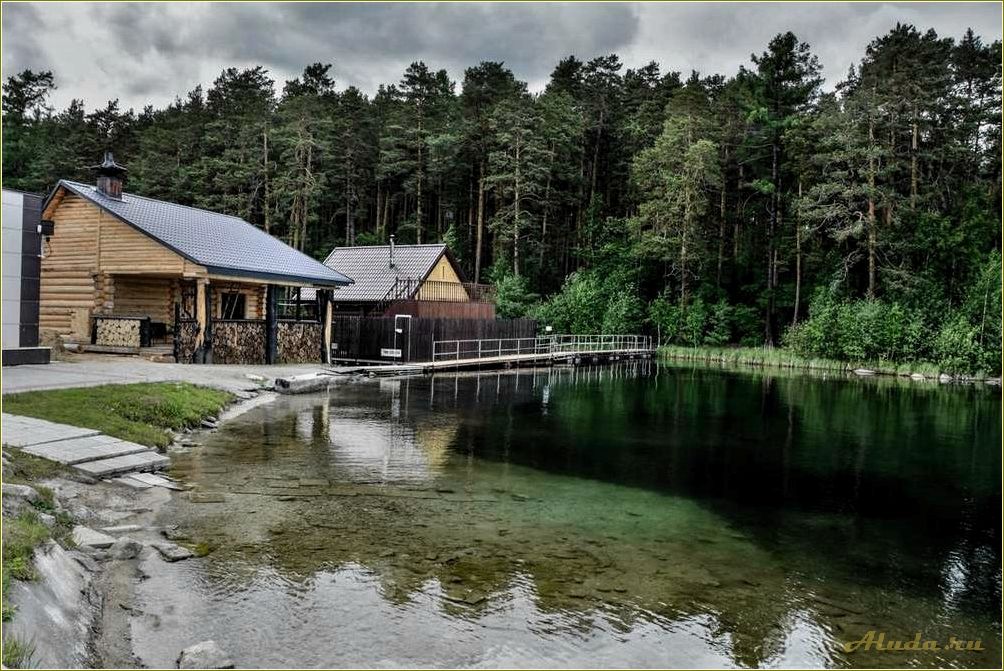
{"type": "Point", "coordinates": [286, 278]}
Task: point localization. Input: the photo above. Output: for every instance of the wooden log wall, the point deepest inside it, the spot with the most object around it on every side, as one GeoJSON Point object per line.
{"type": "Point", "coordinates": [364, 337]}
{"type": "Point", "coordinates": [69, 267]}
{"type": "Point", "coordinates": [85, 262]}
{"type": "Point", "coordinates": [239, 341]}
{"type": "Point", "coordinates": [298, 342]}
{"type": "Point", "coordinates": [254, 298]}
{"type": "Point", "coordinates": [151, 297]}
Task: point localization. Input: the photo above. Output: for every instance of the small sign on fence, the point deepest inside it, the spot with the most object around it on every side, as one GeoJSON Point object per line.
{"type": "Point", "coordinates": [390, 353]}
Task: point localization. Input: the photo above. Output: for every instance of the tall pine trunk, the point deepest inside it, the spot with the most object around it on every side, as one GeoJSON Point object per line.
{"type": "Point", "coordinates": [721, 233]}
{"type": "Point", "coordinates": [798, 254]}
{"type": "Point", "coordinates": [418, 199]}
{"type": "Point", "coordinates": [914, 178]}
{"type": "Point", "coordinates": [872, 237]}
{"type": "Point", "coordinates": [481, 223]}
{"type": "Point", "coordinates": [775, 197]}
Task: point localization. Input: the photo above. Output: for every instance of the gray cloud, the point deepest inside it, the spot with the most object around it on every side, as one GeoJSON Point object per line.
{"type": "Point", "coordinates": [150, 52]}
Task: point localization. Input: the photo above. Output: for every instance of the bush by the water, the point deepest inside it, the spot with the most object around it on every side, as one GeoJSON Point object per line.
{"type": "Point", "coordinates": [965, 339]}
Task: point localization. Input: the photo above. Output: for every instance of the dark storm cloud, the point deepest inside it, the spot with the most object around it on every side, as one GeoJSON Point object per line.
{"type": "Point", "coordinates": [21, 48]}
{"type": "Point", "coordinates": [150, 52]}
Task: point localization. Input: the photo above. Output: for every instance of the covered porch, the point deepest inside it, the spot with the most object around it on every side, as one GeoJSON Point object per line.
{"type": "Point", "coordinates": [210, 319]}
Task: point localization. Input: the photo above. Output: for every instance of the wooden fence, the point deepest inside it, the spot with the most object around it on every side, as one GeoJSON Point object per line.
{"type": "Point", "coordinates": [402, 339]}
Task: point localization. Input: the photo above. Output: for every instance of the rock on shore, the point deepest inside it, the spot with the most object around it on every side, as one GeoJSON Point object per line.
{"type": "Point", "coordinates": [204, 655]}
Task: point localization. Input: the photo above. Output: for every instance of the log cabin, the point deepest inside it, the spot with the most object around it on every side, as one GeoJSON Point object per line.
{"type": "Point", "coordinates": [121, 272]}
{"type": "Point", "coordinates": [418, 280]}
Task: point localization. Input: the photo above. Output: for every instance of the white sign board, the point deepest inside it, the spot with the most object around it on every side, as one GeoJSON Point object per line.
{"type": "Point", "coordinates": [390, 353]}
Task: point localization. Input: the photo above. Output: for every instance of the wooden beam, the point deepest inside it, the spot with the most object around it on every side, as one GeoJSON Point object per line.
{"type": "Point", "coordinates": [326, 355]}
{"type": "Point", "coordinates": [271, 323]}
{"type": "Point", "coordinates": [200, 312]}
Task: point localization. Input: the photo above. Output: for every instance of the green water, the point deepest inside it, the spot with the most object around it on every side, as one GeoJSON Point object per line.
{"type": "Point", "coordinates": [627, 515]}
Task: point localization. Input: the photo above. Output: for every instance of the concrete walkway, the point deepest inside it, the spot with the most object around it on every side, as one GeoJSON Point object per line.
{"type": "Point", "coordinates": [86, 450]}
{"type": "Point", "coordinates": [93, 370]}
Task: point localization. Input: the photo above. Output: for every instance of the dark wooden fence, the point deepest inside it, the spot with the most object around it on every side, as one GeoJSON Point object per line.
{"type": "Point", "coordinates": [366, 338]}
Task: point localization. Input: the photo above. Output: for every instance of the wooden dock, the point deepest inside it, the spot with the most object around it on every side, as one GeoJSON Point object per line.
{"type": "Point", "coordinates": [507, 353]}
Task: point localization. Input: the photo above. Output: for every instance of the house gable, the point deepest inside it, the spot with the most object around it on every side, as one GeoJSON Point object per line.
{"type": "Point", "coordinates": [86, 247]}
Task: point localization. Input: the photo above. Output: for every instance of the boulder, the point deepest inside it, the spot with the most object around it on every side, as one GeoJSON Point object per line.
{"type": "Point", "coordinates": [204, 655]}
{"type": "Point", "coordinates": [17, 497]}
{"type": "Point", "coordinates": [85, 537]}
{"type": "Point", "coordinates": [125, 548]}
{"type": "Point", "coordinates": [172, 552]}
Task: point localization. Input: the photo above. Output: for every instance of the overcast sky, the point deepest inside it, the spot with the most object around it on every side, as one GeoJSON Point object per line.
{"type": "Point", "coordinates": [147, 53]}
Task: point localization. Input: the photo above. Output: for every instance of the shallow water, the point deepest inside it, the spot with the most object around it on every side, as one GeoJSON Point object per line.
{"type": "Point", "coordinates": [637, 514]}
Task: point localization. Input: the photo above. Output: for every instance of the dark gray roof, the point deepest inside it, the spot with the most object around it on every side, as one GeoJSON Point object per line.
{"type": "Point", "coordinates": [225, 245]}
{"type": "Point", "coordinates": [370, 270]}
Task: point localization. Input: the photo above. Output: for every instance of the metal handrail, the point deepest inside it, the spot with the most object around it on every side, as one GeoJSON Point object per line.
{"type": "Point", "coordinates": [445, 350]}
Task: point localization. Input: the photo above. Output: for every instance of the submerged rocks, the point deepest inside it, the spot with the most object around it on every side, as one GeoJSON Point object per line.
{"type": "Point", "coordinates": [172, 553]}
{"type": "Point", "coordinates": [125, 548]}
{"type": "Point", "coordinates": [204, 655]}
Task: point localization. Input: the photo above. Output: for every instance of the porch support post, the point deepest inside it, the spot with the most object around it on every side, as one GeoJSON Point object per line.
{"type": "Point", "coordinates": [200, 318]}
{"type": "Point", "coordinates": [271, 323]}
{"type": "Point", "coordinates": [208, 349]}
{"type": "Point", "coordinates": [325, 318]}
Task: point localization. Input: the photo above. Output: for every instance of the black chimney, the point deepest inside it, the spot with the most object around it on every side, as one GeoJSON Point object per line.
{"type": "Point", "coordinates": [110, 176]}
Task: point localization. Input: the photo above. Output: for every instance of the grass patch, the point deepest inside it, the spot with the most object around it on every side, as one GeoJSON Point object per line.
{"type": "Point", "coordinates": [21, 535]}
{"type": "Point", "coordinates": [776, 357]}
{"type": "Point", "coordinates": [26, 469]}
{"type": "Point", "coordinates": [17, 653]}
{"type": "Point", "coordinates": [142, 413]}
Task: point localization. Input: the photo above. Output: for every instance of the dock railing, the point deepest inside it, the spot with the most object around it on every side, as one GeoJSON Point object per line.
{"type": "Point", "coordinates": [456, 350]}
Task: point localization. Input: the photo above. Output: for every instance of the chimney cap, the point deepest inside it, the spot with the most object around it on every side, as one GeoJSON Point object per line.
{"type": "Point", "coordinates": [109, 166]}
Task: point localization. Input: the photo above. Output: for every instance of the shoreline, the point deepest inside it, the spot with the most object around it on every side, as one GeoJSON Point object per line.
{"type": "Point", "coordinates": [111, 642]}
{"type": "Point", "coordinates": [107, 579]}
{"type": "Point", "coordinates": [781, 359]}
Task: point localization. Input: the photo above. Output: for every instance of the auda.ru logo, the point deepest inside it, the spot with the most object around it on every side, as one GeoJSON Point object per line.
{"type": "Point", "coordinates": [877, 641]}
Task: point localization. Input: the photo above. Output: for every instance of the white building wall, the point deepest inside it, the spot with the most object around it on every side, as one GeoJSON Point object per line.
{"type": "Point", "coordinates": [13, 210]}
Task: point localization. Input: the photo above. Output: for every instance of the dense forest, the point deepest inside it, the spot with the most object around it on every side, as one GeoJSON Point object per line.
{"type": "Point", "coordinates": [862, 223]}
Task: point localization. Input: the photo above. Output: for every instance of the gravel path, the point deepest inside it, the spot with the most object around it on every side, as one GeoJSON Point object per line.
{"type": "Point", "coordinates": [93, 370]}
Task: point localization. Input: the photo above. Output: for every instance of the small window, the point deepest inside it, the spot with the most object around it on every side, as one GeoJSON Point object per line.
{"type": "Point", "coordinates": [234, 306]}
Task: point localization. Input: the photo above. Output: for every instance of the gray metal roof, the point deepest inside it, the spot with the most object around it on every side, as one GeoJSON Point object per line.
{"type": "Point", "coordinates": [371, 272]}
{"type": "Point", "coordinates": [225, 245]}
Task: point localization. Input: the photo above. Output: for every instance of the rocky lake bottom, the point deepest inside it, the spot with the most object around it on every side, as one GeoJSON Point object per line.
{"type": "Point", "coordinates": [632, 515]}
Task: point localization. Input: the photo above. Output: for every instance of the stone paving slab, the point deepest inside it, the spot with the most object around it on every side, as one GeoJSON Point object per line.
{"type": "Point", "coordinates": [142, 461]}
{"type": "Point", "coordinates": [155, 481]}
{"type": "Point", "coordinates": [84, 536]}
{"type": "Point", "coordinates": [89, 448]}
{"type": "Point", "coordinates": [21, 431]}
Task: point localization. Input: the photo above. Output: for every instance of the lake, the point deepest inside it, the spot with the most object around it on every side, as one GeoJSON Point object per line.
{"type": "Point", "coordinates": [634, 514]}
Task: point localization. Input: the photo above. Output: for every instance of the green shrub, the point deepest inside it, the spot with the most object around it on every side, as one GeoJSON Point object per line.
{"type": "Point", "coordinates": [17, 653]}
{"type": "Point", "coordinates": [513, 297]}
{"type": "Point", "coordinates": [875, 330]}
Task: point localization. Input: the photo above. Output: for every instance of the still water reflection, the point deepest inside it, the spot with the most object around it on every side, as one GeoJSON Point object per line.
{"type": "Point", "coordinates": [638, 514]}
